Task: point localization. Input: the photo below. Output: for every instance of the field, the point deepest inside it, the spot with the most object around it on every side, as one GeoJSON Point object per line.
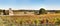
{"type": "Point", "coordinates": [15, 20]}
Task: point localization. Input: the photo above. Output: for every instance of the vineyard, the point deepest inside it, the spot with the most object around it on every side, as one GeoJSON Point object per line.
{"type": "Point", "coordinates": [18, 20]}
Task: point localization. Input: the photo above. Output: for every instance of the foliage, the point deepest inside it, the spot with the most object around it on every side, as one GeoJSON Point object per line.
{"type": "Point", "coordinates": [57, 11]}
{"type": "Point", "coordinates": [58, 21]}
{"type": "Point", "coordinates": [42, 11]}
{"type": "Point", "coordinates": [25, 12]}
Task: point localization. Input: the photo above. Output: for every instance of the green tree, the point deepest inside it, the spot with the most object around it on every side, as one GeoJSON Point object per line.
{"type": "Point", "coordinates": [42, 11]}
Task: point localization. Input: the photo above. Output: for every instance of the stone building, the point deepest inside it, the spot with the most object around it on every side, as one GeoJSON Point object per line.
{"type": "Point", "coordinates": [10, 11]}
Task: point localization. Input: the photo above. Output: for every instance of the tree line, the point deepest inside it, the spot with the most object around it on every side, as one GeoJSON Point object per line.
{"type": "Point", "coordinates": [43, 11]}
{"type": "Point", "coordinates": [40, 11]}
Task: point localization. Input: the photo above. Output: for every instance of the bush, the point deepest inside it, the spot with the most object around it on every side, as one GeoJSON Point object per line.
{"type": "Point", "coordinates": [42, 11]}
{"type": "Point", "coordinates": [58, 21]}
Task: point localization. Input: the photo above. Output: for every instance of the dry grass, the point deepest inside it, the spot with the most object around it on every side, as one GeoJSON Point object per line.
{"type": "Point", "coordinates": [16, 19]}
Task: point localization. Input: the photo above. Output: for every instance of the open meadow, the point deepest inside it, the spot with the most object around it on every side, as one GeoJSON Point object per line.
{"type": "Point", "coordinates": [16, 20]}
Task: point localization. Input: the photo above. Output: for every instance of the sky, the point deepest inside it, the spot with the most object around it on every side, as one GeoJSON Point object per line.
{"type": "Point", "coordinates": [30, 4]}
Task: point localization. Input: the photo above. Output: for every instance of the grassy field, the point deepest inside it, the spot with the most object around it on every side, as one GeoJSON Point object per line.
{"type": "Point", "coordinates": [14, 20]}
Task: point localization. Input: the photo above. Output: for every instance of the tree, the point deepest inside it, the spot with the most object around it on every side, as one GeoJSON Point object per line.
{"type": "Point", "coordinates": [42, 11]}
{"type": "Point", "coordinates": [4, 13]}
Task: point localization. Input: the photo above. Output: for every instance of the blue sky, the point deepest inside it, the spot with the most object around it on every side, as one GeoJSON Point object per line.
{"type": "Point", "coordinates": [30, 4]}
